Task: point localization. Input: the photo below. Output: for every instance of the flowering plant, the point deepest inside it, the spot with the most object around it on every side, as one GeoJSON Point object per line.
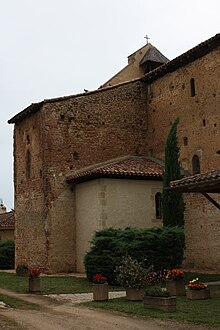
{"type": "Point", "coordinates": [34, 272]}
{"type": "Point", "coordinates": [132, 274]}
{"type": "Point", "coordinates": [99, 279]}
{"type": "Point", "coordinates": [196, 285]}
{"type": "Point", "coordinates": [174, 274]}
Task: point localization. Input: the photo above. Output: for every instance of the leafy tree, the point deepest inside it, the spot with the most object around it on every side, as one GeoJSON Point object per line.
{"type": "Point", "coordinates": [173, 204]}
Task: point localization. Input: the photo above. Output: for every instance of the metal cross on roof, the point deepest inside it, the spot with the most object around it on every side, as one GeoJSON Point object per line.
{"type": "Point", "coordinates": [147, 38]}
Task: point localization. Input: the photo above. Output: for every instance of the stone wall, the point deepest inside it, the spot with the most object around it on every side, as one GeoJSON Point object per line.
{"type": "Point", "coordinates": [65, 135]}
{"type": "Point", "coordinates": [199, 134]}
{"type": "Point", "coordinates": [170, 97]}
{"type": "Point", "coordinates": [30, 230]}
{"type": "Point", "coordinates": [134, 118]}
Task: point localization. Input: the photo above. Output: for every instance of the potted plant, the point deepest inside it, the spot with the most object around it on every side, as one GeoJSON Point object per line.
{"type": "Point", "coordinates": [175, 282]}
{"type": "Point", "coordinates": [34, 280]}
{"type": "Point", "coordinates": [134, 277]}
{"type": "Point", "coordinates": [157, 298]}
{"type": "Point", "coordinates": [197, 290]}
{"type": "Point", "coordinates": [100, 287]}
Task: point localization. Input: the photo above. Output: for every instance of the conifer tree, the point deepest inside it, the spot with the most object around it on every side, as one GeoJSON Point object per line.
{"type": "Point", "coordinates": [173, 205]}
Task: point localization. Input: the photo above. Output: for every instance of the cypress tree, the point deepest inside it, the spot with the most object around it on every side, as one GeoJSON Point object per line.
{"type": "Point", "coordinates": [173, 205]}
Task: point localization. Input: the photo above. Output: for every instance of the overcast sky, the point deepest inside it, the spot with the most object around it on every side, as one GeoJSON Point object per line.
{"type": "Point", "coordinates": [52, 48]}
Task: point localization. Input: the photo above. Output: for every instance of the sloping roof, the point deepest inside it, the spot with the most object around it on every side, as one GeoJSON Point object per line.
{"type": "Point", "coordinates": [153, 55]}
{"type": "Point", "coordinates": [128, 167]}
{"type": "Point", "coordinates": [7, 220]}
{"type": "Point", "coordinates": [206, 182]}
{"type": "Point", "coordinates": [191, 55]}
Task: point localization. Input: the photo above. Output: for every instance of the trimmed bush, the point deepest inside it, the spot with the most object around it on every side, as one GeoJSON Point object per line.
{"type": "Point", "coordinates": [7, 254]}
{"type": "Point", "coordinates": [22, 270]}
{"type": "Point", "coordinates": [161, 247]}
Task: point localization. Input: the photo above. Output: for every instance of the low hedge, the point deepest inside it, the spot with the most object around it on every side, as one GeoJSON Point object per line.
{"type": "Point", "coordinates": [7, 254]}
{"type": "Point", "coordinates": [162, 247]}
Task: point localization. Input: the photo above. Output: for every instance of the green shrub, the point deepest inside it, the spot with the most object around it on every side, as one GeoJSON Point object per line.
{"type": "Point", "coordinates": [161, 247]}
{"type": "Point", "coordinates": [7, 254]}
{"type": "Point", "coordinates": [156, 291]}
{"type": "Point", "coordinates": [22, 270]}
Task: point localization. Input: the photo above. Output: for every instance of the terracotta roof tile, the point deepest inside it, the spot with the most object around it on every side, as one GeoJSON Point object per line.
{"type": "Point", "coordinates": [7, 220]}
{"type": "Point", "coordinates": [209, 182]}
{"type": "Point", "coordinates": [197, 178]}
{"type": "Point", "coordinates": [128, 167]}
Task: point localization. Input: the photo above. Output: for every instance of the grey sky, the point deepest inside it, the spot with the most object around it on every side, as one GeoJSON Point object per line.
{"type": "Point", "coordinates": [52, 48]}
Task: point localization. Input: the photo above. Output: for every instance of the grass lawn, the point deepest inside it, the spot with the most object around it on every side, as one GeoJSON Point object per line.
{"type": "Point", "coordinates": [204, 312]}
{"type": "Point", "coordinates": [69, 284]}
{"type": "Point", "coordinates": [199, 312]}
{"type": "Point", "coordinates": [49, 284]}
{"type": "Point", "coordinates": [17, 303]}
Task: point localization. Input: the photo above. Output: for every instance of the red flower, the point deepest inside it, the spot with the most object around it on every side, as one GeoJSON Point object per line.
{"type": "Point", "coordinates": [174, 274]}
{"type": "Point", "coordinates": [99, 279]}
{"type": "Point", "coordinates": [34, 272]}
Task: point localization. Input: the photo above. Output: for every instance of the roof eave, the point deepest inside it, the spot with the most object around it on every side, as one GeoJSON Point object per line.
{"type": "Point", "coordinates": [93, 176]}
{"type": "Point", "coordinates": [212, 186]}
{"type": "Point", "coordinates": [34, 107]}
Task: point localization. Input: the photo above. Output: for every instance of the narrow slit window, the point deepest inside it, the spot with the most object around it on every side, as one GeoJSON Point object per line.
{"type": "Point", "coordinates": [192, 87]}
{"type": "Point", "coordinates": [196, 164]}
{"type": "Point", "coordinates": [158, 205]}
{"type": "Point", "coordinates": [28, 164]}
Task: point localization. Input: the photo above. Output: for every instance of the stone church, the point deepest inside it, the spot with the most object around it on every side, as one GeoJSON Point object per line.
{"type": "Point", "coordinates": [94, 160]}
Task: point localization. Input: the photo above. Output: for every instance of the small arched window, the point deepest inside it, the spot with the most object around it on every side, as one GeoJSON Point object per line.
{"type": "Point", "coordinates": [158, 205]}
{"type": "Point", "coordinates": [28, 164]}
{"type": "Point", "coordinates": [196, 164]}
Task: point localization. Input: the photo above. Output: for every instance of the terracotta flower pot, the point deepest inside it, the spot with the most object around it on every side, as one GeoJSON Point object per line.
{"type": "Point", "coordinates": [100, 292]}
{"type": "Point", "coordinates": [176, 288]}
{"type": "Point", "coordinates": [34, 284]}
{"type": "Point", "coordinates": [166, 304]}
{"type": "Point", "coordinates": [198, 294]}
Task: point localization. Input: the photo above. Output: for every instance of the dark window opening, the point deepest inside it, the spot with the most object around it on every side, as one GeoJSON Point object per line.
{"type": "Point", "coordinates": [204, 123]}
{"type": "Point", "coordinates": [185, 141]}
{"type": "Point", "coordinates": [28, 164]}
{"type": "Point", "coordinates": [192, 87]}
{"type": "Point", "coordinates": [158, 205]}
{"type": "Point", "coordinates": [75, 155]}
{"type": "Point", "coordinates": [196, 164]}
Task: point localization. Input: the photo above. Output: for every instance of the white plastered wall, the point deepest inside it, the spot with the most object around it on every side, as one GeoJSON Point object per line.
{"type": "Point", "coordinates": [118, 203]}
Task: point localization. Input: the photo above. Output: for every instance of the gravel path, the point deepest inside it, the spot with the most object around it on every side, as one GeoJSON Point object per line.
{"type": "Point", "coordinates": [62, 312]}
{"type": "Point", "coordinates": [82, 297]}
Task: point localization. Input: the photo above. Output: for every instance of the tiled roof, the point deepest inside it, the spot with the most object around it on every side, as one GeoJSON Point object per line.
{"type": "Point", "coordinates": [128, 167]}
{"type": "Point", "coordinates": [7, 220]}
{"type": "Point", "coordinates": [180, 61]}
{"type": "Point", "coordinates": [191, 55]}
{"type": "Point", "coordinates": [205, 182]}
{"type": "Point", "coordinates": [154, 55]}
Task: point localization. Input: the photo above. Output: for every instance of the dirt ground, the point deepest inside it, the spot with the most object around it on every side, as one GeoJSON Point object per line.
{"type": "Point", "coordinates": [56, 315]}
